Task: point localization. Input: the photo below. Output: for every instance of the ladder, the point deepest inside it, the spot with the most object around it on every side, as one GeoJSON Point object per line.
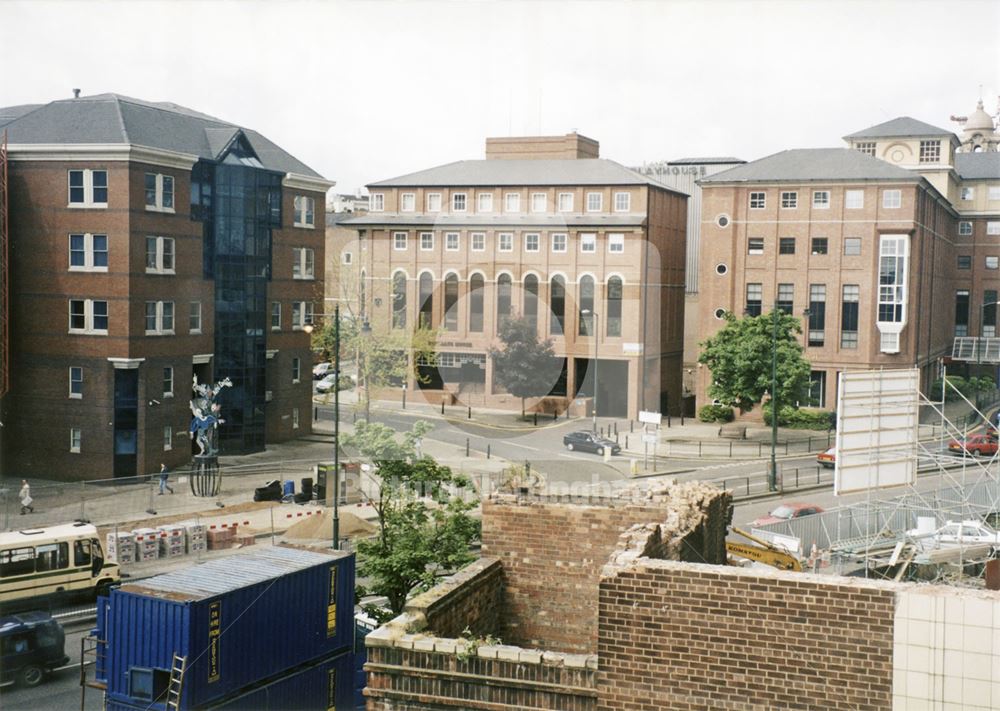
{"type": "Point", "coordinates": [177, 668]}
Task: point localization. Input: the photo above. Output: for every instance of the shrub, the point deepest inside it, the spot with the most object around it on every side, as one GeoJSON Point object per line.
{"type": "Point", "coordinates": [715, 413]}
{"type": "Point", "coordinates": [963, 386]}
{"type": "Point", "coordinates": [800, 418]}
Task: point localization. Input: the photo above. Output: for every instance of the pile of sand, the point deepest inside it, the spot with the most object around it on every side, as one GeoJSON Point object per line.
{"type": "Point", "coordinates": [320, 526]}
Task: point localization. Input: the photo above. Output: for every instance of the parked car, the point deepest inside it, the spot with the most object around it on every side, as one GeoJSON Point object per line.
{"type": "Point", "coordinates": [271, 491]}
{"type": "Point", "coordinates": [589, 442]}
{"type": "Point", "coordinates": [321, 370]}
{"type": "Point", "coordinates": [786, 512]}
{"type": "Point", "coordinates": [828, 458]}
{"type": "Point", "coordinates": [955, 534]}
{"type": "Point", "coordinates": [31, 646]}
{"type": "Point", "coordinates": [975, 444]}
{"type": "Point", "coordinates": [327, 384]}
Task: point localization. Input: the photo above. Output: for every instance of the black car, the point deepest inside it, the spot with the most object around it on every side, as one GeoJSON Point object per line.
{"type": "Point", "coordinates": [31, 645]}
{"type": "Point", "coordinates": [589, 442]}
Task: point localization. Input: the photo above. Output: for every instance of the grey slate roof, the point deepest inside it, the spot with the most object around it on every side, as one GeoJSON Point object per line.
{"type": "Point", "coordinates": [904, 126]}
{"type": "Point", "coordinates": [717, 160]}
{"type": "Point", "coordinates": [972, 166]}
{"type": "Point", "coordinates": [515, 221]}
{"type": "Point", "coordinates": [814, 164]}
{"type": "Point", "coordinates": [116, 119]}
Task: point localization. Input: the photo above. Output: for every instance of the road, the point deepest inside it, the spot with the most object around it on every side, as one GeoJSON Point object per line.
{"type": "Point", "coordinates": [60, 691]}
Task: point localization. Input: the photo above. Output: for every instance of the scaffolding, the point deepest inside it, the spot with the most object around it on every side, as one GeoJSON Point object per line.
{"type": "Point", "coordinates": [5, 354]}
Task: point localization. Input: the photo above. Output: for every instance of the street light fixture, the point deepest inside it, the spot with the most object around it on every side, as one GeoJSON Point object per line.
{"type": "Point", "coordinates": [591, 312]}
{"type": "Point", "coordinates": [308, 328]}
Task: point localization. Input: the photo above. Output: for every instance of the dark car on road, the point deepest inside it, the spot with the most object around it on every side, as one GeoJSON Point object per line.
{"type": "Point", "coordinates": [589, 442]}
{"type": "Point", "coordinates": [31, 646]}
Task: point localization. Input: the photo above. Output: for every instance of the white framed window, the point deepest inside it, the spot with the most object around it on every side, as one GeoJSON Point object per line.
{"type": "Point", "coordinates": [505, 240]}
{"type": "Point", "coordinates": [194, 317]}
{"type": "Point", "coordinates": [377, 202]}
{"type": "Point", "coordinates": [302, 314]}
{"type": "Point", "coordinates": [433, 202]}
{"type": "Point", "coordinates": [512, 202]}
{"type": "Point", "coordinates": [75, 382]}
{"type": "Point", "coordinates": [484, 202]}
{"type": "Point", "coordinates": [558, 241]}
{"type": "Point", "coordinates": [399, 241]}
{"type": "Point", "coordinates": [296, 370]}
{"type": "Point", "coordinates": [88, 188]}
{"type": "Point", "coordinates": [852, 246]}
{"type": "Point", "coordinates": [275, 315]}
{"type": "Point", "coordinates": [305, 211]}
{"type": "Point", "coordinates": [993, 193]}
{"type": "Point", "coordinates": [965, 228]}
{"type": "Point", "coordinates": [993, 228]}
{"type": "Point", "coordinates": [616, 243]}
{"type": "Point", "coordinates": [789, 200]}
{"type": "Point", "coordinates": [295, 418]}
{"type": "Point", "coordinates": [888, 342]}
{"type": "Point", "coordinates": [451, 241]}
{"type": "Point", "coordinates": [821, 199]}
{"type": "Point", "coordinates": [968, 193]}
{"type": "Point", "coordinates": [539, 202]}
{"type": "Point", "coordinates": [930, 151]}
{"type": "Point", "coordinates": [755, 245]}
{"type": "Point", "coordinates": [993, 262]}
{"type": "Point", "coordinates": [531, 242]}
{"type": "Point", "coordinates": [168, 381]}
{"type": "Point", "coordinates": [478, 241]}
{"type": "Point", "coordinates": [866, 147]}
{"type": "Point", "coordinates": [892, 199]}
{"type": "Point", "coordinates": [595, 202]}
{"type": "Point", "coordinates": [565, 202]}
{"type": "Point", "coordinates": [426, 241]}
{"type": "Point", "coordinates": [407, 202]}
{"type": "Point", "coordinates": [758, 200]}
{"type": "Point", "coordinates": [88, 316]}
{"type": "Point", "coordinates": [88, 253]}
{"type": "Point", "coordinates": [168, 438]}
{"type": "Point", "coordinates": [854, 199]}
{"type": "Point", "coordinates": [588, 242]}
{"type": "Point", "coordinates": [458, 202]}
{"type": "Point", "coordinates": [347, 258]}
{"type": "Point", "coordinates": [159, 255]}
{"type": "Point", "coordinates": [303, 263]}
{"type": "Point", "coordinates": [159, 192]}
{"type": "Point", "coordinates": [159, 318]}
{"type": "Point", "coordinates": [75, 439]}
{"type": "Point", "coordinates": [623, 202]}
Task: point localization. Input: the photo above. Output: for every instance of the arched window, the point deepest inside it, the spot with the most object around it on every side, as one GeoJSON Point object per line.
{"type": "Point", "coordinates": [426, 300]}
{"type": "Point", "coordinates": [586, 303]}
{"type": "Point", "coordinates": [451, 303]}
{"type": "Point", "coordinates": [503, 298]}
{"type": "Point", "coordinates": [399, 300]}
{"type": "Point", "coordinates": [557, 302]}
{"type": "Point", "coordinates": [531, 300]}
{"type": "Point", "coordinates": [614, 307]}
{"type": "Point", "coordinates": [362, 301]}
{"type": "Point", "coordinates": [476, 303]}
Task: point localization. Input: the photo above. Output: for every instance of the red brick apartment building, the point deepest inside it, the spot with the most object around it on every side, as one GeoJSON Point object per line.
{"type": "Point", "coordinates": [888, 249]}
{"type": "Point", "coordinates": [591, 251]}
{"type": "Point", "coordinates": [150, 244]}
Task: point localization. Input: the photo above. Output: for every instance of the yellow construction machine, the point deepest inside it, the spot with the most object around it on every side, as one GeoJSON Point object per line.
{"type": "Point", "coordinates": [763, 552]}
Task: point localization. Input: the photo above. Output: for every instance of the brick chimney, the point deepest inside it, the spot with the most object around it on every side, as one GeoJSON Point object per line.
{"type": "Point", "coordinates": [571, 146]}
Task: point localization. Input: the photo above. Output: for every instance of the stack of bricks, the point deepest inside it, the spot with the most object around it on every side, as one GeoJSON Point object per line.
{"type": "Point", "coordinates": [220, 538]}
{"type": "Point", "coordinates": [147, 544]}
{"type": "Point", "coordinates": [195, 533]}
{"type": "Point", "coordinates": [172, 541]}
{"type": "Point", "coordinates": [121, 547]}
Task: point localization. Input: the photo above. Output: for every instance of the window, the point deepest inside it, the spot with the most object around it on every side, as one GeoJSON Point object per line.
{"type": "Point", "coordinates": [557, 304]}
{"type": "Point", "coordinates": [786, 298]}
{"type": "Point", "coordinates": [852, 246]}
{"type": "Point", "coordinates": [194, 317]}
{"type": "Point", "coordinates": [275, 315]}
{"type": "Point", "coordinates": [451, 303]}
{"type": "Point", "coordinates": [616, 243]}
{"type": "Point", "coordinates": [889, 342]}
{"type": "Point", "coordinates": [433, 202]}
{"type": "Point", "coordinates": [992, 262]}
{"type": "Point", "coordinates": [854, 199]}
{"type": "Point", "coordinates": [88, 253]}
{"type": "Point", "coordinates": [930, 151]}
{"type": "Point", "coordinates": [757, 201]}
{"type": "Point", "coordinates": [88, 316]}
{"type": "Point", "coordinates": [892, 199]}
{"type": "Point", "coordinates": [993, 193]}
{"type": "Point", "coordinates": [75, 382]}
{"type": "Point", "coordinates": [503, 298]}
{"type": "Point", "coordinates": [623, 202]}
{"type": "Point", "coordinates": [303, 263]}
{"type": "Point", "coordinates": [849, 316]}
{"type": "Point", "coordinates": [558, 242]}
{"type": "Point", "coordinates": [159, 318]}
{"type": "Point", "coordinates": [296, 369]}
{"type": "Point", "coordinates": [426, 241]}
{"type": "Point", "coordinates": [755, 245]}
{"type": "Point", "coordinates": [159, 255]}
{"type": "Point", "coordinates": [893, 254]}
{"type": "Point", "coordinates": [407, 202]}
{"type": "Point", "coordinates": [755, 293]}
{"type": "Point", "coordinates": [968, 193]}
{"type": "Point", "coordinates": [965, 261]}
{"type": "Point", "coordinates": [302, 314]}
{"type": "Point", "coordinates": [820, 245]}
{"type": "Point", "coordinates": [539, 202]}
{"type": "Point", "coordinates": [531, 243]}
{"type": "Point", "coordinates": [786, 245]}
{"type": "Point", "coordinates": [530, 310]}
{"type": "Point", "coordinates": [512, 202]}
{"type": "Point", "coordinates": [585, 313]}
{"type": "Point", "coordinates": [159, 192]}
{"type": "Point", "coordinates": [75, 437]}
{"type": "Point", "coordinates": [168, 381]}
{"type": "Point", "coordinates": [458, 202]}
{"type": "Point", "coordinates": [399, 300]}
{"type": "Point", "coordinates": [88, 188]}
{"type": "Point", "coordinates": [821, 199]}
{"type": "Point", "coordinates": [478, 241]}
{"type": "Point", "coordinates": [168, 438]}
{"type": "Point", "coordinates": [506, 242]}
{"type": "Point", "coordinates": [399, 241]}
{"type": "Point", "coordinates": [789, 200]}
{"type": "Point", "coordinates": [965, 228]}
{"type": "Point", "coordinates": [961, 313]}
{"type": "Point", "coordinates": [476, 286]}
{"type": "Point", "coordinates": [377, 202]}
{"type": "Point", "coordinates": [989, 314]}
{"type": "Point", "coordinates": [614, 307]}
{"type": "Point", "coordinates": [425, 296]}
{"type": "Point", "coordinates": [451, 241]}
{"type": "Point", "coordinates": [595, 202]}
{"type": "Point", "coordinates": [817, 389]}
{"type": "Point", "coordinates": [484, 202]}
{"type": "Point", "coordinates": [304, 211]}
{"type": "Point", "coordinates": [295, 418]}
{"type": "Point", "coordinates": [346, 258]}
{"type": "Point", "coordinates": [817, 314]}
{"type": "Point", "coordinates": [588, 242]}
{"type": "Point", "coordinates": [565, 202]}
{"type": "Point", "coordinates": [993, 228]}
{"type": "Point", "coordinates": [866, 147]}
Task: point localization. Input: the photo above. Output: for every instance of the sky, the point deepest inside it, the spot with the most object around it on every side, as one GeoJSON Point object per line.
{"type": "Point", "coordinates": [364, 91]}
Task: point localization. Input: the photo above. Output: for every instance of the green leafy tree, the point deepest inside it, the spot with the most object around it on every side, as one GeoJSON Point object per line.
{"type": "Point", "coordinates": [525, 367]}
{"type": "Point", "coordinates": [739, 357]}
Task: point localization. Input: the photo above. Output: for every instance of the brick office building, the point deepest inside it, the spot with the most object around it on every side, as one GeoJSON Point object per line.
{"type": "Point", "coordinates": [542, 228]}
{"type": "Point", "coordinates": [151, 244]}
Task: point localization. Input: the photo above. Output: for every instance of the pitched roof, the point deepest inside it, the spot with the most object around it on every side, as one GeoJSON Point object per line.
{"type": "Point", "coordinates": [814, 164]}
{"type": "Point", "coordinates": [972, 166]}
{"type": "Point", "coordinates": [116, 119]}
{"type": "Point", "coordinates": [717, 160]}
{"type": "Point", "coordinates": [904, 126]}
{"type": "Point", "coordinates": [493, 220]}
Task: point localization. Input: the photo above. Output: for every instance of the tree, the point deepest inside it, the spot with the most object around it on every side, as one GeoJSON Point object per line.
{"type": "Point", "coordinates": [739, 357]}
{"type": "Point", "coordinates": [525, 367]}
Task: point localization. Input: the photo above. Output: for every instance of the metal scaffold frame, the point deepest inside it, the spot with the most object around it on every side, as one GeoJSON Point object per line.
{"type": "Point", "coordinates": [5, 354]}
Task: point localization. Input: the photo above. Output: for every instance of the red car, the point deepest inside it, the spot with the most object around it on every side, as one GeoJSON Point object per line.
{"type": "Point", "coordinates": [976, 445]}
{"type": "Point", "coordinates": [828, 458]}
{"type": "Point", "coordinates": [786, 512]}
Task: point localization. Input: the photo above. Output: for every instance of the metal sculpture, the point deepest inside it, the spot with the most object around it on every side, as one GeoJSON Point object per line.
{"type": "Point", "coordinates": [206, 479]}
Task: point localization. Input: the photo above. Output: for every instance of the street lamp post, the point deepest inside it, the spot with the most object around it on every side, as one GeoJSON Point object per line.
{"type": "Point", "coordinates": [336, 423]}
{"type": "Point", "coordinates": [591, 312]}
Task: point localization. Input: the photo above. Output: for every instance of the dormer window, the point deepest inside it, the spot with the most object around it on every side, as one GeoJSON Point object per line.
{"type": "Point", "coordinates": [866, 147]}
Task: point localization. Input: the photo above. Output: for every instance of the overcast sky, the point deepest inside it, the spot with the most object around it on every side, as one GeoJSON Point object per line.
{"type": "Point", "coordinates": [363, 91]}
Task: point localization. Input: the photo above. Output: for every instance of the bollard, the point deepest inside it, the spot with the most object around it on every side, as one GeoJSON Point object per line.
{"type": "Point", "coordinates": [682, 418]}
{"type": "Point", "coordinates": [668, 421]}
{"type": "Point", "coordinates": [555, 415]}
{"type": "Point", "coordinates": [748, 486]}
{"type": "Point", "coordinates": [315, 413]}
{"type": "Point", "coordinates": [536, 419]}
{"type": "Point", "coordinates": [487, 451]}
{"type": "Point", "coordinates": [630, 426]}
{"type": "Point", "coordinates": [626, 441]}
{"type": "Point", "coordinates": [616, 432]}
{"type": "Point", "coordinates": [466, 446]}
{"type": "Point", "coordinates": [469, 416]}
{"type": "Point", "coordinates": [442, 406]}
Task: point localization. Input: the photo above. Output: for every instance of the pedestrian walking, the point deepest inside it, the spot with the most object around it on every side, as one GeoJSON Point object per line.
{"type": "Point", "coordinates": [25, 496]}
{"type": "Point", "coordinates": [164, 473]}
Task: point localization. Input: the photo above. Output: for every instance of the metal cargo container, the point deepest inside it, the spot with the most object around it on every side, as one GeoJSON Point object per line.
{"type": "Point", "coordinates": [241, 621]}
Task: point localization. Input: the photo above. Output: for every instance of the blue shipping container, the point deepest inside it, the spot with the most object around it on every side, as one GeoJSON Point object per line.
{"type": "Point", "coordinates": [241, 621]}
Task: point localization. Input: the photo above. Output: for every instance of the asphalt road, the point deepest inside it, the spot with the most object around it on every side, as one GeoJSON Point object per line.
{"type": "Point", "coordinates": [59, 691]}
